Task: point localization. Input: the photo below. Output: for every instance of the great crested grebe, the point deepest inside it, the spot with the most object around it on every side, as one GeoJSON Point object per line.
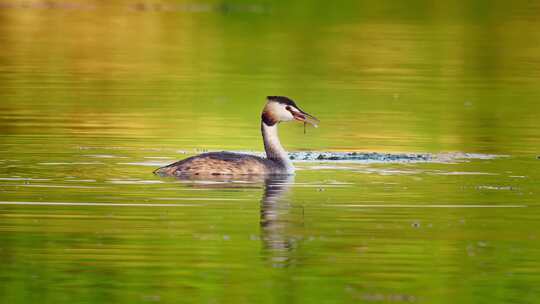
{"type": "Point", "coordinates": [277, 109]}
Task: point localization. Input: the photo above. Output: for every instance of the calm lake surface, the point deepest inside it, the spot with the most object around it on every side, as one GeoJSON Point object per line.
{"type": "Point", "coordinates": [95, 96]}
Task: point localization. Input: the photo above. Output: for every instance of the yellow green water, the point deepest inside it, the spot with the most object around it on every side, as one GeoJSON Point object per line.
{"type": "Point", "coordinates": [94, 96]}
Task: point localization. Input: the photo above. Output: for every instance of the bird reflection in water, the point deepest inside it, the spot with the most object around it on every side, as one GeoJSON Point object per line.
{"type": "Point", "coordinates": [277, 219]}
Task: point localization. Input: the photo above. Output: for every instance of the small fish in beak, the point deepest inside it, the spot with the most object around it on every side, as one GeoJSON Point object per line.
{"type": "Point", "coordinates": [305, 117]}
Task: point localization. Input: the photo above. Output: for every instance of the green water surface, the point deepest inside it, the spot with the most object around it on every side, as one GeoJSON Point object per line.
{"type": "Point", "coordinates": [94, 95]}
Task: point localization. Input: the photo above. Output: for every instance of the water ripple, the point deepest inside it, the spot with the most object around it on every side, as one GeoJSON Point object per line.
{"type": "Point", "coordinates": [98, 204]}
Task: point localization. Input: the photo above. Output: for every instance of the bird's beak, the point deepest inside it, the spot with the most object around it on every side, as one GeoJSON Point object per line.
{"type": "Point", "coordinates": [305, 117]}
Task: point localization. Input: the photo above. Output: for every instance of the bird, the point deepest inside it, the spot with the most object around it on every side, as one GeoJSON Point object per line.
{"type": "Point", "coordinates": [277, 109]}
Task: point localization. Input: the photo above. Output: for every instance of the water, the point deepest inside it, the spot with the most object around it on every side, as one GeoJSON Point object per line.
{"type": "Point", "coordinates": [95, 96]}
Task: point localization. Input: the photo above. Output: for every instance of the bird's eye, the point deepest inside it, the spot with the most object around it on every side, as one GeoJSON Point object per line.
{"type": "Point", "coordinates": [288, 108]}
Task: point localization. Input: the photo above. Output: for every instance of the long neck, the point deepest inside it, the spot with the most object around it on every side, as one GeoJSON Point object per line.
{"type": "Point", "coordinates": [273, 148]}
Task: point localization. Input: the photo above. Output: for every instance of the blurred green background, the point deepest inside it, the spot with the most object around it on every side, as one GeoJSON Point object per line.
{"type": "Point", "coordinates": [412, 76]}
{"type": "Point", "coordinates": [94, 95]}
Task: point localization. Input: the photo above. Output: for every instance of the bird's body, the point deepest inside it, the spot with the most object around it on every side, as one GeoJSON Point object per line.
{"type": "Point", "coordinates": [277, 162]}
{"type": "Point", "coordinates": [223, 163]}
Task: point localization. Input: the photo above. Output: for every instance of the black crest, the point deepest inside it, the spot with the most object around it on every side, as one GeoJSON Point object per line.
{"type": "Point", "coordinates": [283, 100]}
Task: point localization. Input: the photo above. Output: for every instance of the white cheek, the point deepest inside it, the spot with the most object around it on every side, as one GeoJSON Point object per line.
{"type": "Point", "coordinates": [286, 115]}
{"type": "Point", "coordinates": [280, 112]}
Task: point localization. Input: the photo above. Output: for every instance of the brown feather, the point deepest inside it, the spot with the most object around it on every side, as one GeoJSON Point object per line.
{"type": "Point", "coordinates": [220, 163]}
{"type": "Point", "coordinates": [268, 118]}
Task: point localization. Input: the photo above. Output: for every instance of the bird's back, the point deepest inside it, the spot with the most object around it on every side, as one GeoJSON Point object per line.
{"type": "Point", "coordinates": [222, 163]}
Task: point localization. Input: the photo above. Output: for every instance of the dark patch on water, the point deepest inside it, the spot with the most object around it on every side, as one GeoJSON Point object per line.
{"type": "Point", "coordinates": [358, 156]}
{"type": "Point", "coordinates": [376, 157]}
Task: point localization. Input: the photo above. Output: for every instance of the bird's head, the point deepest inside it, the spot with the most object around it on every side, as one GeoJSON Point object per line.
{"type": "Point", "coordinates": [281, 109]}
